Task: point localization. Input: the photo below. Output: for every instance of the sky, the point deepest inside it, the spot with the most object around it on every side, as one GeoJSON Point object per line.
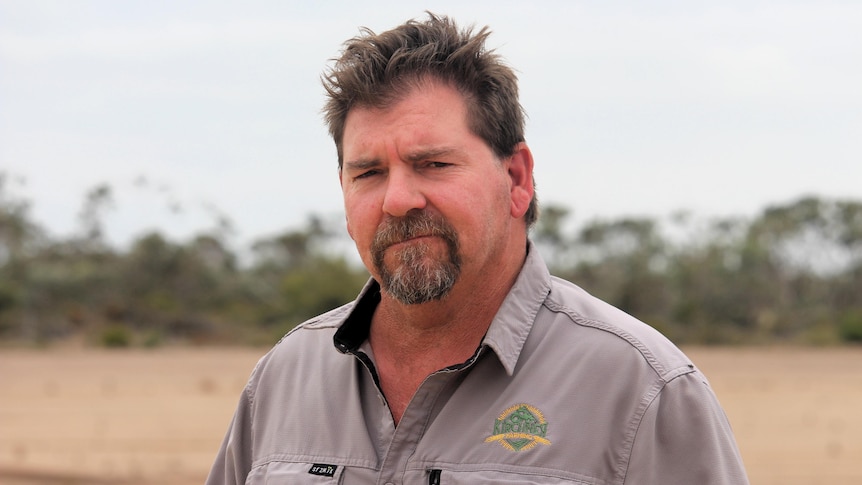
{"type": "Point", "coordinates": [191, 111]}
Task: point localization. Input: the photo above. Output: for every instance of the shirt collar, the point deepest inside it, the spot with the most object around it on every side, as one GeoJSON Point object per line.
{"type": "Point", "coordinates": [508, 330]}
{"type": "Point", "coordinates": [514, 319]}
{"type": "Point", "coordinates": [354, 331]}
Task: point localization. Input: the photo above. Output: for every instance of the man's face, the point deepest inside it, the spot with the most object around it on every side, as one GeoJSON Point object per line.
{"type": "Point", "coordinates": [427, 201]}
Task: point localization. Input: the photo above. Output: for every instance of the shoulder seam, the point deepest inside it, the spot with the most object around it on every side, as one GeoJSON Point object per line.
{"type": "Point", "coordinates": [663, 372]}
{"type": "Point", "coordinates": [637, 418]}
{"type": "Point", "coordinates": [312, 324]}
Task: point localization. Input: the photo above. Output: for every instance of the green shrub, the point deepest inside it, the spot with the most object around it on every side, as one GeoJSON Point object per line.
{"type": "Point", "coordinates": [116, 336]}
{"type": "Point", "coordinates": [850, 327]}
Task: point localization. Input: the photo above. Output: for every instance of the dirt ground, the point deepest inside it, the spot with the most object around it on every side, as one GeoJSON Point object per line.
{"type": "Point", "coordinates": [78, 416]}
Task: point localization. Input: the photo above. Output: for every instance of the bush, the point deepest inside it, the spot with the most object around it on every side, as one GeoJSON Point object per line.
{"type": "Point", "coordinates": [116, 336]}
{"type": "Point", "coordinates": [850, 327]}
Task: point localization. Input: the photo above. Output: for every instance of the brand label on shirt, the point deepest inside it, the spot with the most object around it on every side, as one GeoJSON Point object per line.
{"type": "Point", "coordinates": [323, 470]}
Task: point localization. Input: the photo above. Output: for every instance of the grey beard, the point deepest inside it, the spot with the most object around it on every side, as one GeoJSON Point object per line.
{"type": "Point", "coordinates": [415, 278]}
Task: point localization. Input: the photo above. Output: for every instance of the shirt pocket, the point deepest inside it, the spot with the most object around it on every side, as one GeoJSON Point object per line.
{"type": "Point", "coordinates": [472, 477]}
{"type": "Point", "coordinates": [282, 472]}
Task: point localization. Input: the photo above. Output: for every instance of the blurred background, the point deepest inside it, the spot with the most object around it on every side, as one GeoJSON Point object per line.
{"type": "Point", "coordinates": [166, 180]}
{"type": "Point", "coordinates": [165, 172]}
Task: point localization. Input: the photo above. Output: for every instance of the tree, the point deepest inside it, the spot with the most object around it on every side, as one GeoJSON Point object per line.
{"type": "Point", "coordinates": [295, 277]}
{"type": "Point", "coordinates": [624, 262]}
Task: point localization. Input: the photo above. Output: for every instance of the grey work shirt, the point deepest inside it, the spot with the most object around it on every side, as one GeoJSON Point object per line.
{"type": "Point", "coordinates": [563, 389]}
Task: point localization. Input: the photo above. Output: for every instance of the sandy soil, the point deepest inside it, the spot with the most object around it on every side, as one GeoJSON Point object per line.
{"type": "Point", "coordinates": [143, 417]}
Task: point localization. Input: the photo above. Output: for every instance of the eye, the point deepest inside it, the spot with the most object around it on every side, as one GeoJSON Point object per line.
{"type": "Point", "coordinates": [437, 164]}
{"type": "Point", "coordinates": [366, 174]}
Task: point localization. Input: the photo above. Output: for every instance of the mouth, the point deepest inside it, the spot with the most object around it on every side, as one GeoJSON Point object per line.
{"type": "Point", "coordinates": [412, 239]}
{"type": "Point", "coordinates": [412, 236]}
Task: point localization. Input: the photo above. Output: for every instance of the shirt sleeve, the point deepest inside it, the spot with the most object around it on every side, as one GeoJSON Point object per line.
{"type": "Point", "coordinates": [685, 438]}
{"type": "Point", "coordinates": [233, 462]}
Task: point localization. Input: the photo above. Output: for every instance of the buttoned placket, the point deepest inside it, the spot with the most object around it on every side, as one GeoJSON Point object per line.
{"type": "Point", "coordinates": [404, 438]}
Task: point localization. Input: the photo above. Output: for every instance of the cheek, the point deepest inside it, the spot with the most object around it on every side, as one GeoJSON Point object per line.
{"type": "Point", "coordinates": [355, 226]}
{"type": "Point", "coordinates": [349, 228]}
{"type": "Point", "coordinates": [351, 213]}
{"type": "Point", "coordinates": [361, 223]}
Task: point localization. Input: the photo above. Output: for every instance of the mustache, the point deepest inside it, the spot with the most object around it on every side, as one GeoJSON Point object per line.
{"type": "Point", "coordinates": [415, 224]}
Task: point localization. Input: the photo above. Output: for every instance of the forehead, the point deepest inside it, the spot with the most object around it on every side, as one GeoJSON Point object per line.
{"type": "Point", "coordinates": [424, 109]}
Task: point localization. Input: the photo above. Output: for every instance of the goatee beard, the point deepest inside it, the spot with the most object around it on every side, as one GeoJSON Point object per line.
{"type": "Point", "coordinates": [416, 276]}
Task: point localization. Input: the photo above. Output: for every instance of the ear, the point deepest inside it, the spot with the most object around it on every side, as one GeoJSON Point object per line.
{"type": "Point", "coordinates": [520, 169]}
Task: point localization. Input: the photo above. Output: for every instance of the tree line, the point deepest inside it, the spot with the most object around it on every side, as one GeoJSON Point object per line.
{"type": "Point", "coordinates": [791, 274]}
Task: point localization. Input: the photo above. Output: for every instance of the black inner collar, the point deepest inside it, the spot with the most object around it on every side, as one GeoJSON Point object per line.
{"type": "Point", "coordinates": [354, 331]}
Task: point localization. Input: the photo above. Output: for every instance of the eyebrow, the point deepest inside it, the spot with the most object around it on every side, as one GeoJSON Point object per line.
{"type": "Point", "coordinates": [416, 156]}
{"type": "Point", "coordinates": [430, 153]}
{"type": "Point", "coordinates": [361, 164]}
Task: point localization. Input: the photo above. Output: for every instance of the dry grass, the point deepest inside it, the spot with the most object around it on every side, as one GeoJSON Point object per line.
{"type": "Point", "coordinates": [94, 416]}
{"type": "Point", "coordinates": [797, 413]}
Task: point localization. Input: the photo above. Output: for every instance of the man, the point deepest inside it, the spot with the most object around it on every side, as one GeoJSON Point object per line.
{"type": "Point", "coordinates": [462, 360]}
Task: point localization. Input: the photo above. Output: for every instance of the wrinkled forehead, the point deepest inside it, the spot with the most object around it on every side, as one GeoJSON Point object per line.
{"type": "Point", "coordinates": [385, 97]}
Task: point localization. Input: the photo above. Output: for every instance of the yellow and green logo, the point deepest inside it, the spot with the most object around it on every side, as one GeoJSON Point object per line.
{"type": "Point", "coordinates": [520, 428]}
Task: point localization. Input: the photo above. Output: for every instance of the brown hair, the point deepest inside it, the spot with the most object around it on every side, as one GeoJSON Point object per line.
{"type": "Point", "coordinates": [377, 70]}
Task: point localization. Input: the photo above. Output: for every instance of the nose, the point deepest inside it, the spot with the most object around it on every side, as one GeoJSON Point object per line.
{"type": "Point", "coordinates": [403, 193]}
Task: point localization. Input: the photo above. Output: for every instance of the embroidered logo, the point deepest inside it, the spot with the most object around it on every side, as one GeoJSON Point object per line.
{"type": "Point", "coordinates": [520, 428]}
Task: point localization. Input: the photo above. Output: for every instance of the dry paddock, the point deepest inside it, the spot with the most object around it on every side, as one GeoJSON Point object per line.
{"type": "Point", "coordinates": [76, 416]}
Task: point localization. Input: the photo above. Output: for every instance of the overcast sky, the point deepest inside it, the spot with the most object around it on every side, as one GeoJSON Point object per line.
{"type": "Point", "coordinates": [189, 109]}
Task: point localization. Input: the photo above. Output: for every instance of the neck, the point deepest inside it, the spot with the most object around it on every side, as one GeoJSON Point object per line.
{"type": "Point", "coordinates": [434, 334]}
{"type": "Point", "coordinates": [410, 342]}
{"type": "Point", "coordinates": [450, 329]}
